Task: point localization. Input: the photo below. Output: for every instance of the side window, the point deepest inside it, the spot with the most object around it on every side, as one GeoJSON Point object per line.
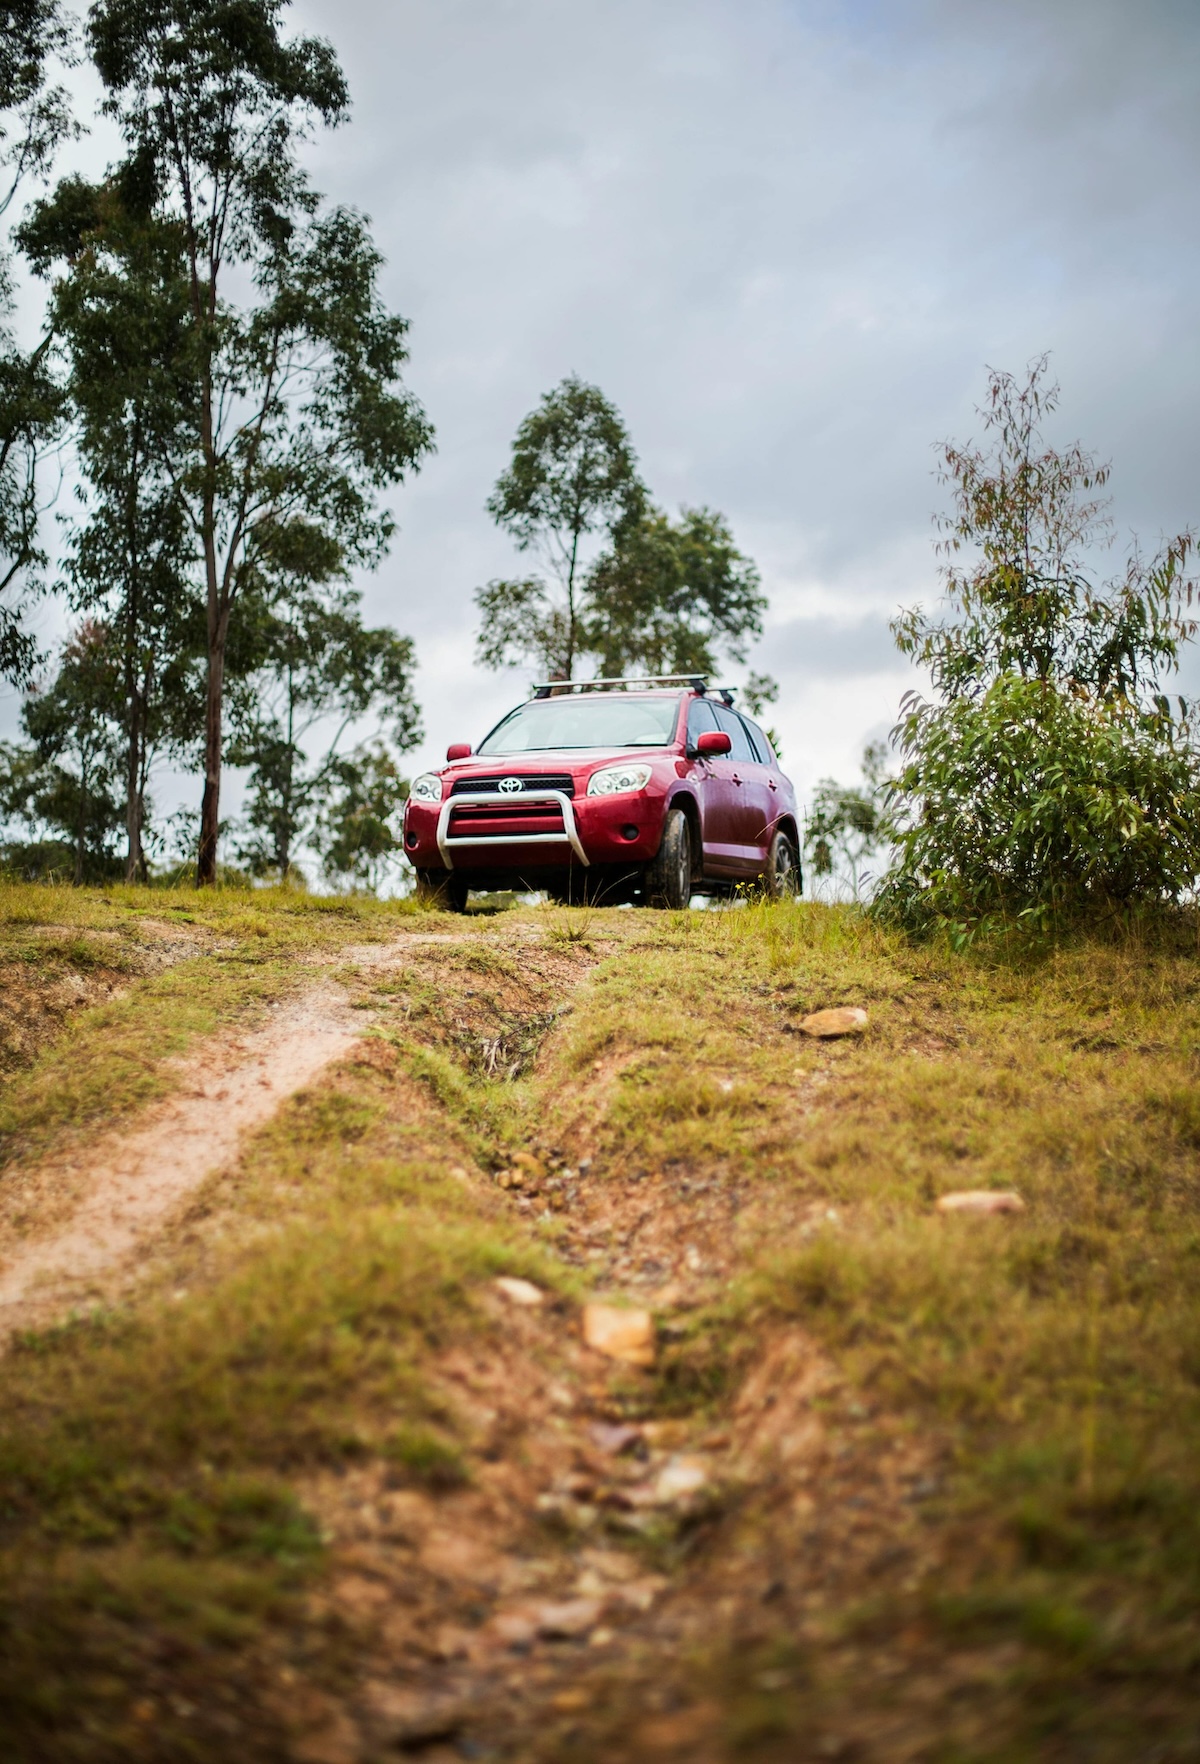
{"type": "Point", "coordinates": [700, 719]}
{"type": "Point", "coordinates": [736, 731]}
{"type": "Point", "coordinates": [758, 742]}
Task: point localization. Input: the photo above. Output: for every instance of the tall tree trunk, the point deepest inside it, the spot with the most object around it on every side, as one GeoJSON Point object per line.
{"type": "Point", "coordinates": [81, 826]}
{"type": "Point", "coordinates": [133, 818]}
{"type": "Point", "coordinates": [570, 656]}
{"type": "Point", "coordinates": [218, 627]}
{"type": "Point", "coordinates": [133, 796]}
{"type": "Point", "coordinates": [210, 803]}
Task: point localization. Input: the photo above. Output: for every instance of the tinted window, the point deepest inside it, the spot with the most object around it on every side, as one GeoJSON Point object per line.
{"type": "Point", "coordinates": [736, 730]}
{"type": "Point", "coordinates": [758, 742]}
{"type": "Point", "coordinates": [700, 719]}
{"type": "Point", "coordinates": [585, 720]}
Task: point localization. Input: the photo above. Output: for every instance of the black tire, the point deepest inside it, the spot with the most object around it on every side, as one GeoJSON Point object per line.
{"type": "Point", "coordinates": [669, 877]}
{"type": "Point", "coordinates": [782, 879]}
{"type": "Point", "coordinates": [446, 889]}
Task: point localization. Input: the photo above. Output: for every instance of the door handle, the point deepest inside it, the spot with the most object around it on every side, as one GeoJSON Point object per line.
{"type": "Point", "coordinates": [771, 782]}
{"type": "Point", "coordinates": [736, 778]}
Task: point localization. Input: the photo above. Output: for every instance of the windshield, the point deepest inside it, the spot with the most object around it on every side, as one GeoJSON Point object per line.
{"type": "Point", "coordinates": [611, 721]}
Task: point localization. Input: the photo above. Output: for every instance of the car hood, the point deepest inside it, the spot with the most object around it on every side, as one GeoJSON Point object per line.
{"type": "Point", "coordinates": [569, 759]}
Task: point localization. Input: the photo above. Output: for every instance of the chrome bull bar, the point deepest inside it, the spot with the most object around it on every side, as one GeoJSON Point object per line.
{"type": "Point", "coordinates": [491, 799]}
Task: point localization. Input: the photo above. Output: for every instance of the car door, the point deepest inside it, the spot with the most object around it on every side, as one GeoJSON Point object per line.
{"type": "Point", "coordinates": [766, 778]}
{"type": "Point", "coordinates": [717, 794]}
{"type": "Point", "coordinates": [750, 810]}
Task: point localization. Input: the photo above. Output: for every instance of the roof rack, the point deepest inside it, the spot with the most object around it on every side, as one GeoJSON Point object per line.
{"type": "Point", "coordinates": [630, 682]}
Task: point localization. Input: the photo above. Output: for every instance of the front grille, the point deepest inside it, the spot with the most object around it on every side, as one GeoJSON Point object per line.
{"type": "Point", "coordinates": [532, 781]}
{"type": "Point", "coordinates": [508, 820]}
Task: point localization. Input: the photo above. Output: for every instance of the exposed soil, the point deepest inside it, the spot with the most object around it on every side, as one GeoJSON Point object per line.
{"type": "Point", "coordinates": [134, 1180]}
{"type": "Point", "coordinates": [65, 971]}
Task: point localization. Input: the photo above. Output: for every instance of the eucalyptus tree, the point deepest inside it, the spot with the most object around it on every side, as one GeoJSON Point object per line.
{"type": "Point", "coordinates": [573, 474]}
{"type": "Point", "coordinates": [322, 670]}
{"type": "Point", "coordinates": [1049, 771]}
{"type": "Point", "coordinates": [298, 420]}
{"type": "Point", "coordinates": [33, 119]}
{"type": "Point", "coordinates": [67, 781]}
{"type": "Point", "coordinates": [119, 313]}
{"type": "Point", "coordinates": [669, 596]}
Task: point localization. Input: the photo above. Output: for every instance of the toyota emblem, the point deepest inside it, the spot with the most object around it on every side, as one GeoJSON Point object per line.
{"type": "Point", "coordinates": [508, 785]}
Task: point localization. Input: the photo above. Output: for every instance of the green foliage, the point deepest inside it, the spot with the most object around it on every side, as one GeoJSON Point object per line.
{"type": "Point", "coordinates": [119, 313]}
{"type": "Point", "coordinates": [295, 418]}
{"type": "Point", "coordinates": [33, 120]}
{"type": "Point", "coordinates": [1050, 774]}
{"type": "Point", "coordinates": [666, 595]}
{"type": "Point", "coordinates": [64, 788]}
{"type": "Point", "coordinates": [846, 824]}
{"type": "Point", "coordinates": [573, 473]}
{"type": "Point", "coordinates": [321, 661]}
{"type": "Point", "coordinates": [357, 832]}
{"type": "Point", "coordinates": [662, 595]}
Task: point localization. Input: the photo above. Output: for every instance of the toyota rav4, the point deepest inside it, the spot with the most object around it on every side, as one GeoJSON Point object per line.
{"type": "Point", "coordinates": [609, 790]}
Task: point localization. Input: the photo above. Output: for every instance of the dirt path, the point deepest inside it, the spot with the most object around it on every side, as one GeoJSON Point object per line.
{"type": "Point", "coordinates": [135, 1180]}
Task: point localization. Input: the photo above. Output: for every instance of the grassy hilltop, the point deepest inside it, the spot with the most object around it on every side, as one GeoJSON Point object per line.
{"type": "Point", "coordinates": [950, 1507]}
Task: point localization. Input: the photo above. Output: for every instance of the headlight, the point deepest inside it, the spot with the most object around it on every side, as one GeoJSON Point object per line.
{"type": "Point", "coordinates": [426, 788]}
{"type": "Point", "coordinates": [615, 778]}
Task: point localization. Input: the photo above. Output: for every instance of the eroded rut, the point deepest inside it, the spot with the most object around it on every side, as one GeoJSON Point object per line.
{"type": "Point", "coordinates": [132, 1181]}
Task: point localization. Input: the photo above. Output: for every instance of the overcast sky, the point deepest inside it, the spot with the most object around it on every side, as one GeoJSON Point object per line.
{"type": "Point", "coordinates": [784, 237]}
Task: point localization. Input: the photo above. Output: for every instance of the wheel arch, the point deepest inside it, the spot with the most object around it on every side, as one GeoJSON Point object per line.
{"type": "Point", "coordinates": [787, 824]}
{"type": "Point", "coordinates": [685, 800]}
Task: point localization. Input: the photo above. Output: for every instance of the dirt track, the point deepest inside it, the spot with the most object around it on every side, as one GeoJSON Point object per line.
{"type": "Point", "coordinates": [135, 1179]}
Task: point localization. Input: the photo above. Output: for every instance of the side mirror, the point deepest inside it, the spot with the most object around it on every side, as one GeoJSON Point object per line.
{"type": "Point", "coordinates": [462, 750]}
{"type": "Point", "coordinates": [713, 742]}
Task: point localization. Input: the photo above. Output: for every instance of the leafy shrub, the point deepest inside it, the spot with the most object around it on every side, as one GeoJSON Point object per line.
{"type": "Point", "coordinates": [1049, 774]}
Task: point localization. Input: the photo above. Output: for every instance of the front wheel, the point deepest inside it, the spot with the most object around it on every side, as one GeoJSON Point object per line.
{"type": "Point", "coordinates": [781, 878]}
{"type": "Point", "coordinates": [669, 877]}
{"type": "Point", "coordinates": [445, 889]}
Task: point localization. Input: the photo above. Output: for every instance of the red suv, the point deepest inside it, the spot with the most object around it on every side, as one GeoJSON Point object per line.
{"type": "Point", "coordinates": [611, 791]}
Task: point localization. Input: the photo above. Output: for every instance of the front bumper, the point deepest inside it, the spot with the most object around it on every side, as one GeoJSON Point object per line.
{"type": "Point", "coordinates": [474, 839]}
{"type": "Point", "coordinates": [546, 829]}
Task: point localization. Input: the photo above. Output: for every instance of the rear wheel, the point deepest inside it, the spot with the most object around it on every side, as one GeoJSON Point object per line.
{"type": "Point", "coordinates": [781, 878]}
{"type": "Point", "coordinates": [669, 877]}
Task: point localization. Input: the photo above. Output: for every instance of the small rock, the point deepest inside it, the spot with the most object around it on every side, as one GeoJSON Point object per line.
{"type": "Point", "coordinates": [518, 1292]}
{"type": "Point", "coordinates": [513, 1629]}
{"type": "Point", "coordinates": [981, 1200]}
{"type": "Point", "coordinates": [529, 1166]}
{"type": "Point", "coordinates": [406, 1717]}
{"type": "Point", "coordinates": [563, 1621]}
{"type": "Point", "coordinates": [625, 1335]}
{"type": "Point", "coordinates": [680, 1479]}
{"type": "Point", "coordinates": [665, 1436]}
{"type": "Point", "coordinates": [574, 1698]}
{"type": "Point", "coordinates": [640, 1595]}
{"type": "Point", "coordinates": [614, 1437]}
{"type": "Point", "coordinates": [828, 1025]}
